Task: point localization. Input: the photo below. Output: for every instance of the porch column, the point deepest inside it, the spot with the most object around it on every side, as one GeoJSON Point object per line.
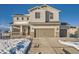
{"type": "Point", "coordinates": [11, 28]}
{"type": "Point", "coordinates": [68, 35]}
{"type": "Point", "coordinates": [21, 29]}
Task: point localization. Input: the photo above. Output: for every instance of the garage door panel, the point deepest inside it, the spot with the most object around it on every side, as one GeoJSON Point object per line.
{"type": "Point", "coordinates": [44, 32]}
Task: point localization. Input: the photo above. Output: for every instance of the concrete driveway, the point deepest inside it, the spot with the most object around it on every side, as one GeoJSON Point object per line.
{"type": "Point", "coordinates": [50, 46]}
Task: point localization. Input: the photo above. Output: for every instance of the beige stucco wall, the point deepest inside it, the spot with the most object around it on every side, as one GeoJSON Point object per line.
{"type": "Point", "coordinates": [56, 29]}
{"type": "Point", "coordinates": [55, 14]}
{"type": "Point", "coordinates": [42, 16]}
{"type": "Point", "coordinates": [20, 21]}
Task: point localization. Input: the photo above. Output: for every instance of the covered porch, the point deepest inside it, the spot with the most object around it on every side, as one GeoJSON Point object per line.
{"type": "Point", "coordinates": [19, 31]}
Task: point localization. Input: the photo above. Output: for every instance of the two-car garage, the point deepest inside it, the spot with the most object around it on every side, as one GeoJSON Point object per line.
{"type": "Point", "coordinates": [44, 32]}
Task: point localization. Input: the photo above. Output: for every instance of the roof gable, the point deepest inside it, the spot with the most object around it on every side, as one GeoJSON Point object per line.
{"type": "Point", "coordinates": [43, 7]}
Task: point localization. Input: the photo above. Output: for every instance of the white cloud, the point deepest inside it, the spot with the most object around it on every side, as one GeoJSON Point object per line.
{"type": "Point", "coordinates": [4, 26]}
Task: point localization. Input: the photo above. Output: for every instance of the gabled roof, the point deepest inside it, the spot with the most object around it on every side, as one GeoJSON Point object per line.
{"type": "Point", "coordinates": [26, 14]}
{"type": "Point", "coordinates": [20, 15]}
{"type": "Point", "coordinates": [43, 7]}
{"type": "Point", "coordinates": [17, 15]}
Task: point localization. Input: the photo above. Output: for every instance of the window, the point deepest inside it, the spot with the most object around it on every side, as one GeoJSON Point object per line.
{"type": "Point", "coordinates": [37, 15]}
{"type": "Point", "coordinates": [27, 18]}
{"type": "Point", "coordinates": [17, 18]}
{"type": "Point", "coordinates": [51, 15]}
{"type": "Point", "coordinates": [47, 16]}
{"type": "Point", "coordinates": [22, 18]}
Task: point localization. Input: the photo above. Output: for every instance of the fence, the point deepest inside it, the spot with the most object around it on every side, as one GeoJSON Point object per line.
{"type": "Point", "coordinates": [4, 36]}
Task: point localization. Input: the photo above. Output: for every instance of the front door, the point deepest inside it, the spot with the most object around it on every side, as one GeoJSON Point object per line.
{"type": "Point", "coordinates": [24, 30]}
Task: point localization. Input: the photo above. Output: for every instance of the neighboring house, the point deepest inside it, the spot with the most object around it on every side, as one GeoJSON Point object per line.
{"type": "Point", "coordinates": [42, 21]}
{"type": "Point", "coordinates": [72, 30]}
{"type": "Point", "coordinates": [5, 35]}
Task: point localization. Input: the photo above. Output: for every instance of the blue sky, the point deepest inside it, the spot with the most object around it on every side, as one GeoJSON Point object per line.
{"type": "Point", "coordinates": [69, 12]}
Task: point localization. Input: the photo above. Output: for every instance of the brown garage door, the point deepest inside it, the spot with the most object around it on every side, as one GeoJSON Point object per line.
{"type": "Point", "coordinates": [44, 33]}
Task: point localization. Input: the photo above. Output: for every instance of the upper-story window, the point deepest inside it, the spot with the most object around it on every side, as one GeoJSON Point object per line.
{"type": "Point", "coordinates": [22, 18]}
{"type": "Point", "coordinates": [37, 15]}
{"type": "Point", "coordinates": [17, 18]}
{"type": "Point", "coordinates": [27, 18]}
{"type": "Point", "coordinates": [51, 15]}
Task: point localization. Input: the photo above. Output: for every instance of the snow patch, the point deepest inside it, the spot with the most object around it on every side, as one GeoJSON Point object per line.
{"type": "Point", "coordinates": [14, 46]}
{"type": "Point", "coordinates": [73, 44]}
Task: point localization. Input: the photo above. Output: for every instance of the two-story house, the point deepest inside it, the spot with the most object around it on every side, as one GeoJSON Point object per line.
{"type": "Point", "coordinates": [42, 21]}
